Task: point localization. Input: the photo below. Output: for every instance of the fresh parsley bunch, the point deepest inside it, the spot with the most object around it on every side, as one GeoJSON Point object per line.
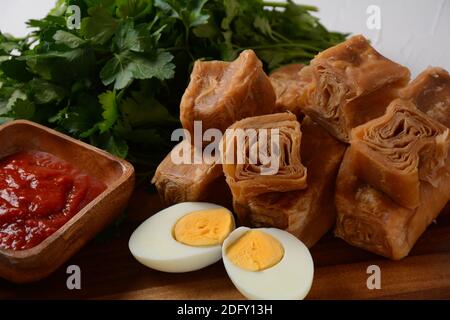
{"type": "Point", "coordinates": [116, 82]}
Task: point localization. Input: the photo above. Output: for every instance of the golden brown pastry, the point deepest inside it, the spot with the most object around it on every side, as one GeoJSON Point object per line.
{"type": "Point", "coordinates": [351, 84]}
{"type": "Point", "coordinates": [221, 93]}
{"type": "Point", "coordinates": [287, 82]}
{"type": "Point", "coordinates": [246, 173]}
{"type": "Point", "coordinates": [430, 91]}
{"type": "Point", "coordinates": [396, 152]}
{"type": "Point", "coordinates": [394, 180]}
{"type": "Point", "coordinates": [310, 213]}
{"type": "Point", "coordinates": [191, 182]}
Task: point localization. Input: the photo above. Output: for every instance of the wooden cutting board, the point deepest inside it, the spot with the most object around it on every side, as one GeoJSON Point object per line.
{"type": "Point", "coordinates": [108, 271]}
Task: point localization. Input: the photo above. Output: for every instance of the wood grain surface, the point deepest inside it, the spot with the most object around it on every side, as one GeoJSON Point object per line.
{"type": "Point", "coordinates": [110, 272]}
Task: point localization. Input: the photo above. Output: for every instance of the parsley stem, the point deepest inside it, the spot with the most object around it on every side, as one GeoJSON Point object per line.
{"type": "Point", "coordinates": [188, 50]}
{"type": "Point", "coordinates": [280, 36]}
{"type": "Point", "coordinates": [281, 45]}
{"type": "Point", "coordinates": [285, 4]}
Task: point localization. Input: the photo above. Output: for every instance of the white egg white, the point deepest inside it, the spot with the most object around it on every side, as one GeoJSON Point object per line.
{"type": "Point", "coordinates": [153, 244]}
{"type": "Point", "coordinates": [290, 279]}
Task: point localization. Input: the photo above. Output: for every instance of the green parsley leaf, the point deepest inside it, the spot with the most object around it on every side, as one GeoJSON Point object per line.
{"type": "Point", "coordinates": [22, 109]}
{"type": "Point", "coordinates": [117, 147]}
{"type": "Point", "coordinates": [108, 100]}
{"type": "Point", "coordinates": [133, 8]}
{"type": "Point", "coordinates": [127, 37]}
{"type": "Point", "coordinates": [100, 26]}
{"type": "Point", "coordinates": [126, 66]}
{"type": "Point", "coordinates": [68, 39]}
{"type": "Point", "coordinates": [16, 69]}
{"type": "Point", "coordinates": [139, 110]}
{"type": "Point", "coordinates": [45, 92]}
{"type": "Point", "coordinates": [188, 11]}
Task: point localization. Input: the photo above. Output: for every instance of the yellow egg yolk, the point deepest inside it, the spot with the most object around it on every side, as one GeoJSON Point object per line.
{"type": "Point", "coordinates": [204, 227]}
{"type": "Point", "coordinates": [255, 251]}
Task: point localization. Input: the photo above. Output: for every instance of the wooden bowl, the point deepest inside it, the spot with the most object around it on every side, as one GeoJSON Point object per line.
{"type": "Point", "coordinates": [118, 175]}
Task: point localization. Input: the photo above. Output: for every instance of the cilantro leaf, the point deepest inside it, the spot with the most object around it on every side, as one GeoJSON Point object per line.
{"type": "Point", "coordinates": [16, 69]}
{"type": "Point", "coordinates": [117, 147]}
{"type": "Point", "coordinates": [139, 110]}
{"type": "Point", "coordinates": [45, 92]}
{"type": "Point", "coordinates": [68, 39]}
{"type": "Point", "coordinates": [118, 70]}
{"type": "Point", "coordinates": [231, 10]}
{"type": "Point", "coordinates": [133, 8]}
{"type": "Point", "coordinates": [188, 11]}
{"type": "Point", "coordinates": [108, 100]}
{"type": "Point", "coordinates": [22, 109]}
{"type": "Point", "coordinates": [100, 26]}
{"type": "Point", "coordinates": [82, 115]}
{"type": "Point", "coordinates": [123, 68]}
{"type": "Point", "coordinates": [127, 37]}
{"type": "Point", "coordinates": [15, 95]}
{"type": "Point", "coordinates": [159, 66]}
{"type": "Point", "coordinates": [112, 143]}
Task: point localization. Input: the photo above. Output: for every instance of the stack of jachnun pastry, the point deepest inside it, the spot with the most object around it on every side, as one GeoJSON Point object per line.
{"type": "Point", "coordinates": [351, 83]}
{"type": "Point", "coordinates": [218, 94]}
{"type": "Point", "coordinates": [308, 212]}
{"type": "Point", "coordinates": [302, 198]}
{"type": "Point", "coordinates": [393, 180]}
{"type": "Point", "coordinates": [221, 93]}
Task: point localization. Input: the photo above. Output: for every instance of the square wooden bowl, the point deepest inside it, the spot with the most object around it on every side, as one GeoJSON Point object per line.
{"type": "Point", "coordinates": [118, 175]}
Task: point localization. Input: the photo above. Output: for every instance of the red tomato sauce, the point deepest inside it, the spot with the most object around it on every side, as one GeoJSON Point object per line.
{"type": "Point", "coordinates": [38, 194]}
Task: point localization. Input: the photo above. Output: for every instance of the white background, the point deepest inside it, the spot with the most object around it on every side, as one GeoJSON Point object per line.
{"type": "Point", "coordinates": [14, 13]}
{"type": "Point", "coordinates": [415, 33]}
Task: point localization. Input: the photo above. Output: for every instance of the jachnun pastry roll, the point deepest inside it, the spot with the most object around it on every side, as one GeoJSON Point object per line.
{"type": "Point", "coordinates": [287, 84]}
{"type": "Point", "coordinates": [262, 154]}
{"type": "Point", "coordinates": [394, 180]}
{"type": "Point", "coordinates": [430, 91]}
{"type": "Point", "coordinates": [309, 213]}
{"type": "Point", "coordinates": [220, 93]}
{"type": "Point", "coordinates": [396, 152]}
{"type": "Point", "coordinates": [351, 84]}
{"type": "Point", "coordinates": [181, 182]}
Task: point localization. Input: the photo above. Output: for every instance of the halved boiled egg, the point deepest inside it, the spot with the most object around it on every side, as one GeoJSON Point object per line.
{"type": "Point", "coordinates": [268, 263]}
{"type": "Point", "coordinates": [184, 237]}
